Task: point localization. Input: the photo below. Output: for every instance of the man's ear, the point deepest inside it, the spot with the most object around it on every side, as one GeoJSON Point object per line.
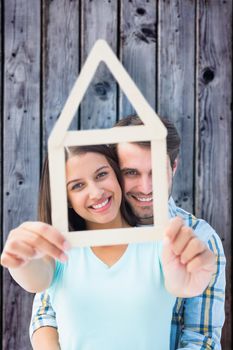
{"type": "Point", "coordinates": [175, 164]}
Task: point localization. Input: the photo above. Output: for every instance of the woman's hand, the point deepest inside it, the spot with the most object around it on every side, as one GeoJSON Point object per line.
{"type": "Point", "coordinates": [33, 240]}
{"type": "Point", "coordinates": [188, 264]}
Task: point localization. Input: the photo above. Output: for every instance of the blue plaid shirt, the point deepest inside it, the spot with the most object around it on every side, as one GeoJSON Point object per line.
{"type": "Point", "coordinates": [197, 322]}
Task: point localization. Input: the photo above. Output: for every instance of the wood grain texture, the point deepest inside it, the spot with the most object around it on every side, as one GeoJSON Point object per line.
{"type": "Point", "coordinates": [60, 59]}
{"type": "Point", "coordinates": [138, 49]}
{"type": "Point", "coordinates": [176, 74]}
{"type": "Point", "coordinates": [213, 158]}
{"type": "Point", "coordinates": [21, 149]}
{"type": "Point", "coordinates": [99, 21]}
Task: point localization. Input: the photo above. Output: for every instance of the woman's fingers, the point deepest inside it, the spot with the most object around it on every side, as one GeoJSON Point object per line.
{"type": "Point", "coordinates": [193, 248]}
{"type": "Point", "coordinates": [11, 261]}
{"type": "Point", "coordinates": [48, 232]}
{"type": "Point", "coordinates": [205, 260]}
{"type": "Point", "coordinates": [41, 244]}
{"type": "Point", "coordinates": [173, 229]}
{"type": "Point", "coordinates": [19, 248]}
{"type": "Point", "coordinates": [33, 239]}
{"type": "Point", "coordinates": [181, 241]}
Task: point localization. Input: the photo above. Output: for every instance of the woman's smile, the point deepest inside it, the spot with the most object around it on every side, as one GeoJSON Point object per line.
{"type": "Point", "coordinates": [102, 205]}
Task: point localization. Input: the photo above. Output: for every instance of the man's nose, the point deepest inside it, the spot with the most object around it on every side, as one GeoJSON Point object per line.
{"type": "Point", "coordinates": [95, 192]}
{"type": "Point", "coordinates": [146, 185]}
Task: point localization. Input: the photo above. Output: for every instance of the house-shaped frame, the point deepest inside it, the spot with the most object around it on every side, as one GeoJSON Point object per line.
{"type": "Point", "coordinates": [153, 130]}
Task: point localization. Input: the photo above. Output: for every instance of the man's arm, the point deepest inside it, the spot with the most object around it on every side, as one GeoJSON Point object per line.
{"type": "Point", "coordinates": [45, 338]}
{"type": "Point", "coordinates": [43, 326]}
{"type": "Point", "coordinates": [202, 317]}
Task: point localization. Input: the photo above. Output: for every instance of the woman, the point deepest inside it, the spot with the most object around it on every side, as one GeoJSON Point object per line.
{"type": "Point", "coordinates": [109, 297]}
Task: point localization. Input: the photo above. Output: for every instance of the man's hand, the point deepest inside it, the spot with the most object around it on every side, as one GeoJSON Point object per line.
{"type": "Point", "coordinates": [188, 264]}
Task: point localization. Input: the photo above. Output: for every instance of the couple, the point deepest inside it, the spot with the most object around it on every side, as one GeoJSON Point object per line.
{"type": "Point", "coordinates": [115, 297]}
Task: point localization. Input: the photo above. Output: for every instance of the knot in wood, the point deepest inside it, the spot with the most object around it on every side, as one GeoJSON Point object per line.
{"type": "Point", "coordinates": [208, 75]}
{"type": "Point", "coordinates": [102, 89]}
{"type": "Point", "coordinates": [149, 31]}
{"type": "Point", "coordinates": [140, 11]}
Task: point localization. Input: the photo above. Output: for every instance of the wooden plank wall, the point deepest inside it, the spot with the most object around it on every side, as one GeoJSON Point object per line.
{"type": "Point", "coordinates": [21, 147]}
{"type": "Point", "coordinates": [180, 55]}
{"type": "Point", "coordinates": [213, 179]}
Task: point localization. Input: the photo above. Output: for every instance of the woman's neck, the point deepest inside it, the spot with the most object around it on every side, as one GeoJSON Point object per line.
{"type": "Point", "coordinates": [109, 254]}
{"type": "Point", "coordinates": [118, 222]}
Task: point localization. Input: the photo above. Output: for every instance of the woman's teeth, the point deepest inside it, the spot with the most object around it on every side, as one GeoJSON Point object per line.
{"type": "Point", "coordinates": [101, 205]}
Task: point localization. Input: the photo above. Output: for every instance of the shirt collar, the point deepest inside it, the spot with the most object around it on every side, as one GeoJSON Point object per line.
{"type": "Point", "coordinates": [172, 209]}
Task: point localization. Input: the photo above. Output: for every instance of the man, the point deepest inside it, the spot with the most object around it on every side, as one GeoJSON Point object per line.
{"type": "Point", "coordinates": [197, 322]}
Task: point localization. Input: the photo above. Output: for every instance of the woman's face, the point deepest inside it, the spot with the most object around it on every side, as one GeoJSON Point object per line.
{"type": "Point", "coordinates": [93, 190]}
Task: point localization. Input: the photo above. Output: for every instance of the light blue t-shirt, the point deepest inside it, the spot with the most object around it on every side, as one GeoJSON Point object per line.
{"type": "Point", "coordinates": [122, 307]}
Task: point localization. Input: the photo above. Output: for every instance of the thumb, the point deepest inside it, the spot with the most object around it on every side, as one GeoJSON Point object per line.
{"type": "Point", "coordinates": [168, 255]}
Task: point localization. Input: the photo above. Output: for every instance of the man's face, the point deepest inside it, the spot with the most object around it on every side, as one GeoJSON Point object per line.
{"type": "Point", "coordinates": [135, 164]}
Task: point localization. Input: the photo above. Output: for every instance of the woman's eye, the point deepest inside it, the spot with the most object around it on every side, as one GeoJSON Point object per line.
{"type": "Point", "coordinates": [101, 175]}
{"type": "Point", "coordinates": [77, 186]}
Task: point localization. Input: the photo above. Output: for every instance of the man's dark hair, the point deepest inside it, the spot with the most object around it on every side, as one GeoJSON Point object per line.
{"type": "Point", "coordinates": [173, 138]}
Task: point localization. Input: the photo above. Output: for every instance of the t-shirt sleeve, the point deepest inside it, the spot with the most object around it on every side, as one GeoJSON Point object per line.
{"type": "Point", "coordinates": [57, 274]}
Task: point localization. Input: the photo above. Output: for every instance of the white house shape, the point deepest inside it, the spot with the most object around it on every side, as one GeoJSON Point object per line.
{"type": "Point", "coordinates": [153, 130]}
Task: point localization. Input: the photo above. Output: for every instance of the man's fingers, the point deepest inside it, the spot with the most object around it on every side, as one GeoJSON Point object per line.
{"type": "Point", "coordinates": [205, 260]}
{"type": "Point", "coordinates": [193, 248]}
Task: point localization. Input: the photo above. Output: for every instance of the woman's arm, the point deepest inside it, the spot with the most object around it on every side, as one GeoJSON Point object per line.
{"type": "Point", "coordinates": [29, 254]}
{"type": "Point", "coordinates": [35, 276]}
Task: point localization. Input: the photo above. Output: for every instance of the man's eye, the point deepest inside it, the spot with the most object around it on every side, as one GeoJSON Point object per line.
{"type": "Point", "coordinates": [102, 174]}
{"type": "Point", "coordinates": [130, 173]}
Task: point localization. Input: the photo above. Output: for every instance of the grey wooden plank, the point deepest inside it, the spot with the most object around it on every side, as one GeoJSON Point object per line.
{"type": "Point", "coordinates": [99, 21]}
{"type": "Point", "coordinates": [1, 111]}
{"type": "Point", "coordinates": [138, 49]}
{"type": "Point", "coordinates": [60, 59]}
{"type": "Point", "coordinates": [21, 149]}
{"type": "Point", "coordinates": [214, 92]}
{"type": "Point", "coordinates": [176, 74]}
{"type": "Point", "coordinates": [1, 117]}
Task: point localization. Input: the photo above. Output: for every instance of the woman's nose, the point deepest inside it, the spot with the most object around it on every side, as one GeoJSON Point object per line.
{"type": "Point", "coordinates": [95, 192]}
